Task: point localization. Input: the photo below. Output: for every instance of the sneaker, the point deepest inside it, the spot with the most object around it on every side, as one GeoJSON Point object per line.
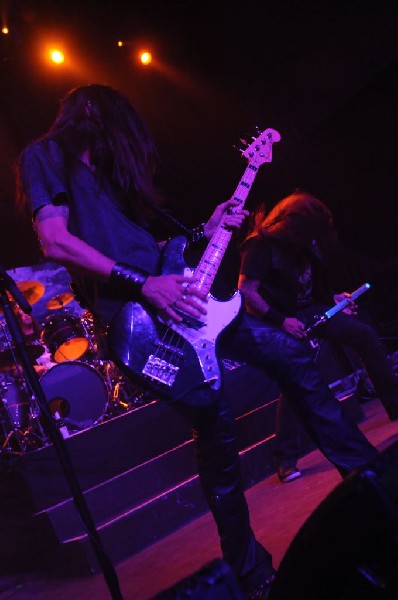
{"type": "Point", "coordinates": [288, 473]}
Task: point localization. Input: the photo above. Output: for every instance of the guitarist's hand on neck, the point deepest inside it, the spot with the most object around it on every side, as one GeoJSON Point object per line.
{"type": "Point", "coordinates": [172, 293]}
{"type": "Point", "coordinates": [230, 212]}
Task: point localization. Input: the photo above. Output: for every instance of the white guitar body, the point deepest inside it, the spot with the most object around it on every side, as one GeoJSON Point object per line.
{"type": "Point", "coordinates": [204, 340]}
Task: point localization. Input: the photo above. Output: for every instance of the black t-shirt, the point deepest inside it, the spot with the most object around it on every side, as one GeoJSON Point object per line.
{"type": "Point", "coordinates": [95, 216]}
{"type": "Point", "coordinates": [288, 279]}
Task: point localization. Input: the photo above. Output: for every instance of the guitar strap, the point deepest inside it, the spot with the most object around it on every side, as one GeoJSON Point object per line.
{"type": "Point", "coordinates": [193, 235]}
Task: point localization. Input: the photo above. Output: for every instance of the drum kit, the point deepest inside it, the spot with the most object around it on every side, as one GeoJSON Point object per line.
{"type": "Point", "coordinates": [81, 385]}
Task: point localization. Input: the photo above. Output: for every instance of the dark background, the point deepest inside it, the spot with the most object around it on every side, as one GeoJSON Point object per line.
{"type": "Point", "coordinates": [324, 74]}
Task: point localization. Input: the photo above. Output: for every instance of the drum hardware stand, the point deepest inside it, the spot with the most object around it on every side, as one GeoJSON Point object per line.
{"type": "Point", "coordinates": [27, 438]}
{"type": "Point", "coordinates": [33, 435]}
{"type": "Point", "coordinates": [122, 395]}
{"type": "Point", "coordinates": [111, 380]}
{"type": "Point", "coordinates": [92, 346]}
{"type": "Point", "coordinates": [7, 284]}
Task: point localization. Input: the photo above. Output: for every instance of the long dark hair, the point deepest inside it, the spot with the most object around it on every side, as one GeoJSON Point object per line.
{"type": "Point", "coordinates": [297, 219]}
{"type": "Point", "coordinates": [101, 120]}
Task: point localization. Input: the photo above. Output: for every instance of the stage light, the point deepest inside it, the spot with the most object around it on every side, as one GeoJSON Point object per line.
{"type": "Point", "coordinates": [5, 30]}
{"type": "Point", "coordinates": [120, 43]}
{"type": "Point", "coordinates": [57, 56]}
{"type": "Point", "coordinates": [145, 57]}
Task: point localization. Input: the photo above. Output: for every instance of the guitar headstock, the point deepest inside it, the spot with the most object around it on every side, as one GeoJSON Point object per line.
{"type": "Point", "coordinates": [260, 149]}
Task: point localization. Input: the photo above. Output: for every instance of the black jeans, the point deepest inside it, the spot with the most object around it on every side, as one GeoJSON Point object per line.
{"type": "Point", "coordinates": [350, 331]}
{"type": "Point", "coordinates": [290, 363]}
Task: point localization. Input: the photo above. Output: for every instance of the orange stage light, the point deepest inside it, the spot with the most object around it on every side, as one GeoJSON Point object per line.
{"type": "Point", "coordinates": [5, 30]}
{"type": "Point", "coordinates": [145, 57]}
{"type": "Point", "coordinates": [57, 56]}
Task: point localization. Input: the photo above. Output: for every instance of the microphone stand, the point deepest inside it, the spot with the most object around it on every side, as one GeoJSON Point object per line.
{"type": "Point", "coordinates": [7, 284]}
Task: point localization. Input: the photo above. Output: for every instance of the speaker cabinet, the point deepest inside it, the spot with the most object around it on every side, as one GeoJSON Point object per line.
{"type": "Point", "coordinates": [348, 548]}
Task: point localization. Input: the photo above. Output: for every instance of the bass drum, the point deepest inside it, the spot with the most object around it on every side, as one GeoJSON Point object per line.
{"type": "Point", "coordinates": [77, 392]}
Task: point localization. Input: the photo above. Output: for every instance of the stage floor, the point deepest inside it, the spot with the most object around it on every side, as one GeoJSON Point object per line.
{"type": "Point", "coordinates": [277, 511]}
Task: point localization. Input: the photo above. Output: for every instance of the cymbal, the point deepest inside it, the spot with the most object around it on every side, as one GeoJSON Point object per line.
{"type": "Point", "coordinates": [7, 359]}
{"type": "Point", "coordinates": [59, 301]}
{"type": "Point", "coordinates": [32, 290]}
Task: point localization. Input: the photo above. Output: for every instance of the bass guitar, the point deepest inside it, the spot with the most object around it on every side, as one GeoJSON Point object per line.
{"type": "Point", "coordinates": [178, 361]}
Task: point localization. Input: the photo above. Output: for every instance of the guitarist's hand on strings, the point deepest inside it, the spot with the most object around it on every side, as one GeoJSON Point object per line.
{"type": "Point", "coordinates": [170, 293]}
{"type": "Point", "coordinates": [232, 214]}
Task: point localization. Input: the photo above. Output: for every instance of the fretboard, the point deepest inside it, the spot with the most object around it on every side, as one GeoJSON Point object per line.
{"type": "Point", "coordinates": [207, 268]}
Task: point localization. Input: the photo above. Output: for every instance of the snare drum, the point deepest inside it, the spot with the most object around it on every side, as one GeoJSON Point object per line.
{"type": "Point", "coordinates": [65, 336]}
{"type": "Point", "coordinates": [77, 392]}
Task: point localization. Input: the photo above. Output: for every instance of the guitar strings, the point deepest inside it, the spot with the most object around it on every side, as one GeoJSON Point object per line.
{"type": "Point", "coordinates": [171, 343]}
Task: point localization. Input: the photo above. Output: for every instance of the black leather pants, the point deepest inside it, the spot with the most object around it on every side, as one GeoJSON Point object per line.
{"type": "Point", "coordinates": [217, 458]}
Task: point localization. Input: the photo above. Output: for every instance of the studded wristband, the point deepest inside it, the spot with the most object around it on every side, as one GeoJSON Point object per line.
{"type": "Point", "coordinates": [127, 279]}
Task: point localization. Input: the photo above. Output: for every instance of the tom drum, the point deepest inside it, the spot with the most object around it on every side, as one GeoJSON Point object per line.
{"type": "Point", "coordinates": [65, 337]}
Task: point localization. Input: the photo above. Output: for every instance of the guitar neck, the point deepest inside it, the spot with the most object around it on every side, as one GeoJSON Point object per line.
{"type": "Point", "coordinates": [214, 253]}
{"type": "Point", "coordinates": [257, 153]}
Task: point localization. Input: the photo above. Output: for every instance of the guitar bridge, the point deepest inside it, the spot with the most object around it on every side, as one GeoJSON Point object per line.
{"type": "Point", "coordinates": [160, 370]}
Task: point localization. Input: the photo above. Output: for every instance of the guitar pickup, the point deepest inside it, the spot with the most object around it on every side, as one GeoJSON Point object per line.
{"type": "Point", "coordinates": [160, 370]}
{"type": "Point", "coordinates": [168, 348]}
{"type": "Point", "coordinates": [189, 320]}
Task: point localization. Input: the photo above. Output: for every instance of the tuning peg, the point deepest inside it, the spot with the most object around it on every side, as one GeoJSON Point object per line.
{"type": "Point", "coordinates": [240, 150]}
